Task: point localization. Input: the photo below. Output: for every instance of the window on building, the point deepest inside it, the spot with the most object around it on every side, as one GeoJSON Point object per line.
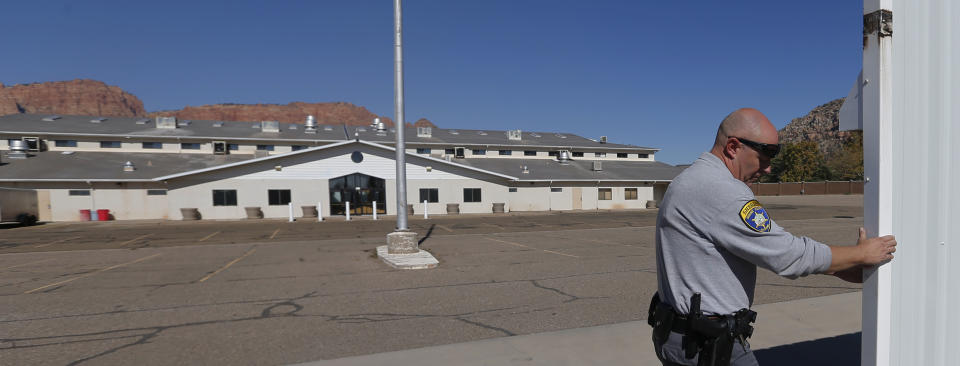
{"type": "Point", "coordinates": [629, 193]}
{"type": "Point", "coordinates": [529, 153]}
{"type": "Point", "coordinates": [553, 153]}
{"type": "Point", "coordinates": [643, 156]}
{"type": "Point", "coordinates": [233, 147]}
{"type": "Point", "coordinates": [599, 154]}
{"type": "Point", "coordinates": [429, 194]}
{"type": "Point", "coordinates": [556, 189]}
{"type": "Point", "coordinates": [422, 150]}
{"type": "Point", "coordinates": [605, 194]}
{"type": "Point", "coordinates": [578, 154]}
{"type": "Point", "coordinates": [479, 152]}
{"type": "Point", "coordinates": [297, 147]}
{"type": "Point", "coordinates": [152, 145]}
{"type": "Point", "coordinates": [109, 144]}
{"type": "Point", "coordinates": [276, 197]}
{"type": "Point", "coordinates": [79, 192]}
{"type": "Point", "coordinates": [512, 189]}
{"type": "Point", "coordinates": [449, 151]}
{"type": "Point", "coordinates": [156, 192]}
{"type": "Point", "coordinates": [65, 143]}
{"type": "Point", "coordinates": [506, 152]}
{"type": "Point", "coordinates": [190, 146]}
{"type": "Point", "coordinates": [622, 155]}
{"type": "Point", "coordinates": [265, 147]}
{"type": "Point", "coordinates": [224, 197]}
{"type": "Point", "coordinates": [471, 195]}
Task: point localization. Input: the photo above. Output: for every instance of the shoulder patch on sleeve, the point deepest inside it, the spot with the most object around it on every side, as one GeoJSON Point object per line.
{"type": "Point", "coordinates": [755, 217]}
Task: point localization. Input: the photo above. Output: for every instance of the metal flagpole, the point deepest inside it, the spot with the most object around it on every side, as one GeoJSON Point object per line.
{"type": "Point", "coordinates": [398, 114]}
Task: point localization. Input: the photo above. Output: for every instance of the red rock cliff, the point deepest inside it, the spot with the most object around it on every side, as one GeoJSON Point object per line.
{"type": "Point", "coordinates": [326, 113]}
{"type": "Point", "coordinates": [80, 97]}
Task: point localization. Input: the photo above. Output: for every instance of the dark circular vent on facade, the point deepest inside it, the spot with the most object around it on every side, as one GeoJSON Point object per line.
{"type": "Point", "coordinates": [356, 156]}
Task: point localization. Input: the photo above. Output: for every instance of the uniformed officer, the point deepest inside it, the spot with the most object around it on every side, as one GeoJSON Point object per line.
{"type": "Point", "coordinates": [712, 234]}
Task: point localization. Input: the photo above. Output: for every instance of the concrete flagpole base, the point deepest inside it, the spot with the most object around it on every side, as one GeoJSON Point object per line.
{"type": "Point", "coordinates": [403, 252]}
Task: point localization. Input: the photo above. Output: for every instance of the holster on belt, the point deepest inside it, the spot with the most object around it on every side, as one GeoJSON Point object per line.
{"type": "Point", "coordinates": [711, 338]}
{"type": "Point", "coordinates": [660, 316]}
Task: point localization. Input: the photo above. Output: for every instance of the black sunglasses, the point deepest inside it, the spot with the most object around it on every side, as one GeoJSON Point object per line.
{"type": "Point", "coordinates": [770, 150]}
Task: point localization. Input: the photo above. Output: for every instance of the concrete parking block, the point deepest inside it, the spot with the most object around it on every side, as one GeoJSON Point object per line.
{"type": "Point", "coordinates": [419, 260]}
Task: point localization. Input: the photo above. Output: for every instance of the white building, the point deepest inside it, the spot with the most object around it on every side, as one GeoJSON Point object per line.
{"type": "Point", "coordinates": [80, 163]}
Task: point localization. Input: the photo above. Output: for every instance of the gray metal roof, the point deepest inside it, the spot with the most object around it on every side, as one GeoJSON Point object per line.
{"type": "Point", "coordinates": [576, 170]}
{"type": "Point", "coordinates": [80, 166]}
{"type": "Point", "coordinates": [493, 138]}
{"type": "Point", "coordinates": [126, 126]}
{"type": "Point", "coordinates": [24, 124]}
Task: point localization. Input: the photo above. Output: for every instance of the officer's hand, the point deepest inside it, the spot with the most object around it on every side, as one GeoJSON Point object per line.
{"type": "Point", "coordinates": [875, 251]}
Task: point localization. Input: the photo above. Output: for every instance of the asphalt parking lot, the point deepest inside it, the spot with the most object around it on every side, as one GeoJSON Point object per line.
{"type": "Point", "coordinates": [268, 292]}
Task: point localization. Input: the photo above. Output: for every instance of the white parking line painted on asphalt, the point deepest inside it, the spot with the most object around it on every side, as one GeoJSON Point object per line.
{"type": "Point", "coordinates": [91, 274]}
{"type": "Point", "coordinates": [207, 277]}
{"type": "Point", "coordinates": [57, 241]}
{"type": "Point", "coordinates": [444, 228]}
{"type": "Point", "coordinates": [26, 264]}
{"type": "Point", "coordinates": [135, 239]}
{"type": "Point", "coordinates": [529, 247]}
{"type": "Point", "coordinates": [209, 236]}
{"type": "Point", "coordinates": [274, 233]}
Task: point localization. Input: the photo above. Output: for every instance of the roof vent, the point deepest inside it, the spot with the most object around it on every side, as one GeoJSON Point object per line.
{"type": "Point", "coordinates": [292, 127]}
{"type": "Point", "coordinates": [603, 139]}
{"type": "Point", "coordinates": [597, 166]}
{"type": "Point", "coordinates": [381, 129]}
{"type": "Point", "coordinates": [361, 129]}
{"type": "Point", "coordinates": [256, 125]}
{"type": "Point", "coordinates": [514, 135]}
{"type": "Point", "coordinates": [51, 118]}
{"type": "Point", "coordinates": [561, 136]}
{"type": "Point", "coordinates": [454, 132]}
{"type": "Point", "coordinates": [167, 122]}
{"type": "Point", "coordinates": [328, 128]}
{"type": "Point", "coordinates": [129, 167]}
{"type": "Point", "coordinates": [98, 120]}
{"type": "Point", "coordinates": [525, 170]}
{"type": "Point", "coordinates": [375, 123]}
{"type": "Point", "coordinates": [310, 125]}
{"type": "Point", "coordinates": [534, 134]}
{"type": "Point", "coordinates": [424, 132]}
{"type": "Point", "coordinates": [18, 149]}
{"type": "Point", "coordinates": [563, 156]}
{"type": "Point", "coordinates": [142, 121]}
{"type": "Point", "coordinates": [184, 123]}
{"type": "Point", "coordinates": [218, 124]}
{"type": "Point", "coordinates": [482, 133]}
{"type": "Point", "coordinates": [270, 126]}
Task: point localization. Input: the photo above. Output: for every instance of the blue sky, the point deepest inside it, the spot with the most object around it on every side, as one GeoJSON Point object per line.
{"type": "Point", "coordinates": [659, 74]}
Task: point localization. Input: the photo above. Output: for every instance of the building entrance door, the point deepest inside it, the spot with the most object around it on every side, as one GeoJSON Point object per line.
{"type": "Point", "coordinates": [577, 198]}
{"type": "Point", "coordinates": [361, 191]}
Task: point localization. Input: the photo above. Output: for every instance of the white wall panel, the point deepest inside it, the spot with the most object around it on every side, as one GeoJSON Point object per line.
{"type": "Point", "coordinates": [925, 276]}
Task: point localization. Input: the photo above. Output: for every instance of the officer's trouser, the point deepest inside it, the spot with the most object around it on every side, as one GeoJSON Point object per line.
{"type": "Point", "coordinates": [672, 353]}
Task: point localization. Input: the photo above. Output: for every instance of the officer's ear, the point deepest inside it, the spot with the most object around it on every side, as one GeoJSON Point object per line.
{"type": "Point", "coordinates": [732, 147]}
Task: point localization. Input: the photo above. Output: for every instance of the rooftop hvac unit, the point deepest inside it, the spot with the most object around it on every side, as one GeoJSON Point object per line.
{"type": "Point", "coordinates": [376, 121]}
{"type": "Point", "coordinates": [129, 167]}
{"type": "Point", "coordinates": [424, 132]}
{"type": "Point", "coordinates": [166, 122]}
{"type": "Point", "coordinates": [310, 126]}
{"type": "Point", "coordinates": [458, 152]}
{"type": "Point", "coordinates": [514, 135]}
{"type": "Point", "coordinates": [33, 143]}
{"type": "Point", "coordinates": [18, 149]}
{"type": "Point", "coordinates": [597, 166]}
{"type": "Point", "coordinates": [603, 139]}
{"type": "Point", "coordinates": [270, 126]}
{"type": "Point", "coordinates": [563, 156]}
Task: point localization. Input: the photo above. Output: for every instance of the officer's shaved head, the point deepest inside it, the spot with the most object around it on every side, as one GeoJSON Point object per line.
{"type": "Point", "coordinates": [747, 123]}
{"type": "Point", "coordinates": [744, 124]}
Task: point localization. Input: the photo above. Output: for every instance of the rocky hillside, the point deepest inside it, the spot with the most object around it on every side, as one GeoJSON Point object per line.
{"type": "Point", "coordinates": [83, 97]}
{"type": "Point", "coordinates": [94, 98]}
{"type": "Point", "coordinates": [822, 125]}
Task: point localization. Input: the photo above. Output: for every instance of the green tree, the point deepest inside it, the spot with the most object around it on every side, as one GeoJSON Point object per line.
{"type": "Point", "coordinates": [801, 162]}
{"type": "Point", "coordinates": [848, 163]}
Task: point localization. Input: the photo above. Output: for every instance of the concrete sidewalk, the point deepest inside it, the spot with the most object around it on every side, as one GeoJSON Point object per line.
{"type": "Point", "coordinates": [824, 330]}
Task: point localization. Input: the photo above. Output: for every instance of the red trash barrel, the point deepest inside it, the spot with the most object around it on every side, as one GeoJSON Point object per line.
{"type": "Point", "coordinates": [84, 215]}
{"type": "Point", "coordinates": [103, 215]}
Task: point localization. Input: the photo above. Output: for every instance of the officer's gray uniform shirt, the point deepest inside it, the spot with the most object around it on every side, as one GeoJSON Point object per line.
{"type": "Point", "coordinates": [705, 245]}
